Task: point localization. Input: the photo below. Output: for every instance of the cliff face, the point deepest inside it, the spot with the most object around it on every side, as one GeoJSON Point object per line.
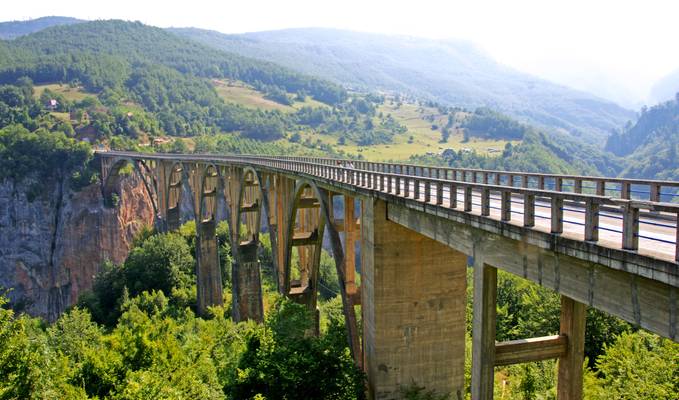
{"type": "Point", "coordinates": [51, 247]}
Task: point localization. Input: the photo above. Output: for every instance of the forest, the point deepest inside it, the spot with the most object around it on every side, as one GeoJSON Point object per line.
{"type": "Point", "coordinates": [136, 335]}
{"type": "Point", "coordinates": [650, 144]}
{"type": "Point", "coordinates": [145, 80]}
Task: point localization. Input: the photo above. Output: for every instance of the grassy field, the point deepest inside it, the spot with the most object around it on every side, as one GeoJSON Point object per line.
{"type": "Point", "coordinates": [419, 120]}
{"type": "Point", "coordinates": [240, 93]}
{"type": "Point", "coordinates": [69, 93]}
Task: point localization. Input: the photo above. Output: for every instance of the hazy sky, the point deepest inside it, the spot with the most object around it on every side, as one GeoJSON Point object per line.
{"type": "Point", "coordinates": [613, 48]}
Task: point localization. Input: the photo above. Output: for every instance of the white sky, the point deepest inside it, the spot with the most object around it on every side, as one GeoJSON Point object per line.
{"type": "Point", "coordinates": [613, 48]}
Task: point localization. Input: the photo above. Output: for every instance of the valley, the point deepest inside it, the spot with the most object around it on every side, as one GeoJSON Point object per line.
{"type": "Point", "coordinates": [100, 299]}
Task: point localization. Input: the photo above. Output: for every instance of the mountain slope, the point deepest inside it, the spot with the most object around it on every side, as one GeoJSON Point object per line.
{"type": "Point", "coordinates": [650, 145]}
{"type": "Point", "coordinates": [14, 29]}
{"type": "Point", "coordinates": [138, 43]}
{"type": "Point", "coordinates": [451, 72]}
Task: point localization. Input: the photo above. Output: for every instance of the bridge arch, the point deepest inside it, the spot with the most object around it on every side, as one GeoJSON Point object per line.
{"type": "Point", "coordinates": [113, 175]}
{"type": "Point", "coordinates": [306, 226]}
{"type": "Point", "coordinates": [174, 189]}
{"type": "Point", "coordinates": [247, 202]}
{"type": "Point", "coordinates": [208, 272]}
{"type": "Point", "coordinates": [310, 213]}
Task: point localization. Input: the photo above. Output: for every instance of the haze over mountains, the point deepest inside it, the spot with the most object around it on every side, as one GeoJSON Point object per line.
{"type": "Point", "coordinates": [451, 72]}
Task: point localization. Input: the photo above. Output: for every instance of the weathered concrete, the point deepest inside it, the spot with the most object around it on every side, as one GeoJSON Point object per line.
{"type": "Point", "coordinates": [413, 296]}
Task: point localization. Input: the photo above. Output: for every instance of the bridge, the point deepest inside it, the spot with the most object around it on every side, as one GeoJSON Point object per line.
{"type": "Point", "coordinates": [607, 243]}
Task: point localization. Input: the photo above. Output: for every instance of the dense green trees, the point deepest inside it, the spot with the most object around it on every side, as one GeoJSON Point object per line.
{"type": "Point", "coordinates": [66, 53]}
{"type": "Point", "coordinates": [153, 346]}
{"type": "Point", "coordinates": [637, 366]}
{"type": "Point", "coordinates": [650, 144]}
{"type": "Point", "coordinates": [489, 124]}
{"type": "Point", "coordinates": [538, 152]}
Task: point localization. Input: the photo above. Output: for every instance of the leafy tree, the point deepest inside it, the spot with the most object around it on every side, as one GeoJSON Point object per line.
{"type": "Point", "coordinates": [281, 361]}
{"type": "Point", "coordinates": [639, 365]}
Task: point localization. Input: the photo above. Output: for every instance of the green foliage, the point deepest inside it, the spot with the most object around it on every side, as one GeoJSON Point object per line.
{"type": "Point", "coordinates": [489, 124]}
{"type": "Point", "coordinates": [42, 154]}
{"type": "Point", "coordinates": [282, 361]}
{"type": "Point", "coordinates": [162, 262]}
{"type": "Point", "coordinates": [650, 144]}
{"type": "Point", "coordinates": [537, 152]}
{"type": "Point", "coordinates": [638, 366]}
{"type": "Point", "coordinates": [328, 281]}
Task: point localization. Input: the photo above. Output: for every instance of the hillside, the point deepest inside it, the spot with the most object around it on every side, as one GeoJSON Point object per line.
{"type": "Point", "coordinates": [650, 144]}
{"type": "Point", "coordinates": [124, 84]}
{"type": "Point", "coordinates": [166, 79]}
{"type": "Point", "coordinates": [14, 29]}
{"type": "Point", "coordinates": [451, 72]}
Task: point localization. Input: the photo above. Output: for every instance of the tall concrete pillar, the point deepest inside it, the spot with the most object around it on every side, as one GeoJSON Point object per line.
{"type": "Point", "coordinates": [208, 271]}
{"type": "Point", "coordinates": [413, 295]}
{"type": "Point", "coordinates": [483, 330]}
{"type": "Point", "coordinates": [247, 285]}
{"type": "Point", "coordinates": [569, 383]}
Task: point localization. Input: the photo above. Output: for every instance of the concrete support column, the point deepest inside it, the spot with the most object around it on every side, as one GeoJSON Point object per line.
{"type": "Point", "coordinates": [483, 330]}
{"type": "Point", "coordinates": [413, 295]}
{"type": "Point", "coordinates": [569, 386]}
{"type": "Point", "coordinates": [172, 219]}
{"type": "Point", "coordinates": [208, 272]}
{"type": "Point", "coordinates": [247, 286]}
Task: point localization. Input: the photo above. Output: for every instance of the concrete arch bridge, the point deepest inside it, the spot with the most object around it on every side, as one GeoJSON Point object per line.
{"type": "Point", "coordinates": [607, 243]}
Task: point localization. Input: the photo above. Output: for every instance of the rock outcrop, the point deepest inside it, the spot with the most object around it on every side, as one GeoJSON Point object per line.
{"type": "Point", "coordinates": [52, 246]}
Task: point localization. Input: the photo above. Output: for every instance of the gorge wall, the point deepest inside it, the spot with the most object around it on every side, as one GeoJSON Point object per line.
{"type": "Point", "coordinates": [52, 246]}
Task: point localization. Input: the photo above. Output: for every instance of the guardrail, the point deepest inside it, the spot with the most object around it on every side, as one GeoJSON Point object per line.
{"type": "Point", "coordinates": [440, 186]}
{"type": "Point", "coordinates": [624, 188]}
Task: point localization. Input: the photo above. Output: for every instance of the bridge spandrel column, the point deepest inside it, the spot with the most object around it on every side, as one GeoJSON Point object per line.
{"type": "Point", "coordinates": [483, 330]}
{"type": "Point", "coordinates": [569, 383]}
{"type": "Point", "coordinates": [413, 298]}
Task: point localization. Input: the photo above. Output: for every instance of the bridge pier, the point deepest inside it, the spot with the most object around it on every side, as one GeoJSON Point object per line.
{"type": "Point", "coordinates": [208, 271]}
{"type": "Point", "coordinates": [413, 294]}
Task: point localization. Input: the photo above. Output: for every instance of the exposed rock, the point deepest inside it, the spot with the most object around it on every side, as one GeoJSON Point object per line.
{"type": "Point", "coordinates": [52, 247]}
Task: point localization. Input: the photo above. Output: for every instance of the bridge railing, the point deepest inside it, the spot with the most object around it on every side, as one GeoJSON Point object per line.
{"type": "Point", "coordinates": [509, 201]}
{"type": "Point", "coordinates": [490, 197]}
{"type": "Point", "coordinates": [623, 188]}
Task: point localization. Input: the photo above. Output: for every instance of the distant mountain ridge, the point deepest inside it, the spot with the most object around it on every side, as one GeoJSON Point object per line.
{"type": "Point", "coordinates": [14, 29]}
{"type": "Point", "coordinates": [450, 72]}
